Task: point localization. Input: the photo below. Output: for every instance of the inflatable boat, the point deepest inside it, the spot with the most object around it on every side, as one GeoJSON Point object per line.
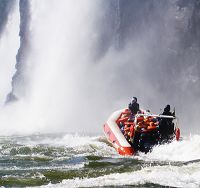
{"type": "Point", "coordinates": [128, 135]}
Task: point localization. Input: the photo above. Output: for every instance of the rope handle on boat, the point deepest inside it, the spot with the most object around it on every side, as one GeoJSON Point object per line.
{"type": "Point", "coordinates": [154, 115]}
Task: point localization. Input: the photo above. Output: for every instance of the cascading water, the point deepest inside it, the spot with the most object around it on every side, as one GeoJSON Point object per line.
{"type": "Point", "coordinates": [50, 88]}
{"type": "Point", "coordinates": [75, 61]}
{"type": "Point", "coordinates": [66, 65]}
{"type": "Point", "coordinates": [9, 42]}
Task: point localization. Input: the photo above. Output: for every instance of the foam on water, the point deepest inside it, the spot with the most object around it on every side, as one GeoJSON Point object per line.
{"type": "Point", "coordinates": [185, 150]}
{"type": "Point", "coordinates": [178, 151]}
{"type": "Point", "coordinates": [68, 167]}
{"type": "Point", "coordinates": [165, 165]}
{"type": "Point", "coordinates": [168, 174]}
{"type": "Point", "coordinates": [81, 145]}
{"type": "Point", "coordinates": [186, 176]}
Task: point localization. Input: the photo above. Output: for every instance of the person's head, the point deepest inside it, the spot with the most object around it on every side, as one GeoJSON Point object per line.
{"type": "Point", "coordinates": [167, 108]}
{"type": "Point", "coordinates": [134, 100]}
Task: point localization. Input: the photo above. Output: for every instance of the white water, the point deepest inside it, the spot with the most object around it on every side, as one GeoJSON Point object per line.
{"type": "Point", "coordinates": [186, 150]}
{"type": "Point", "coordinates": [187, 176]}
{"type": "Point", "coordinates": [9, 45]}
{"type": "Point", "coordinates": [167, 174]}
{"type": "Point", "coordinates": [84, 144]}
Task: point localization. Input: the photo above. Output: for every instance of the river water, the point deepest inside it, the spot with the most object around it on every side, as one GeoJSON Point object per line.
{"type": "Point", "coordinates": [72, 160]}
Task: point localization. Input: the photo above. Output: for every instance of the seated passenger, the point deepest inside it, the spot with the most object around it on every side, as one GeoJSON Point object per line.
{"type": "Point", "coordinates": [153, 124]}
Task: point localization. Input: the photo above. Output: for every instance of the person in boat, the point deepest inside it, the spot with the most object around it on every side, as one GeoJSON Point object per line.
{"type": "Point", "coordinates": [167, 110]}
{"type": "Point", "coordinates": [133, 107]}
{"type": "Point", "coordinates": [128, 130]}
{"type": "Point", "coordinates": [166, 126]}
{"type": "Point", "coordinates": [146, 132]}
{"type": "Point", "coordinates": [147, 125]}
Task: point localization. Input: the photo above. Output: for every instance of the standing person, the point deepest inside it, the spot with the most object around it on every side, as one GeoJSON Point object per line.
{"type": "Point", "coordinates": [166, 126]}
{"type": "Point", "coordinates": [134, 107]}
{"type": "Point", "coordinates": [167, 110]}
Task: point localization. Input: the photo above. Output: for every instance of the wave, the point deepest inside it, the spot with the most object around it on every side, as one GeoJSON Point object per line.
{"type": "Point", "coordinates": [66, 144]}
{"type": "Point", "coordinates": [187, 176]}
{"type": "Point", "coordinates": [188, 147]}
{"type": "Point", "coordinates": [74, 160]}
{"type": "Point", "coordinates": [186, 150]}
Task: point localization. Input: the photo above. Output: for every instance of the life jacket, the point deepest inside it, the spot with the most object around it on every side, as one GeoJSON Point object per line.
{"type": "Point", "coordinates": [123, 117]}
{"type": "Point", "coordinates": [140, 119]}
{"type": "Point", "coordinates": [126, 129]}
{"type": "Point", "coordinates": [132, 131]}
{"type": "Point", "coordinates": [129, 129]}
{"type": "Point", "coordinates": [122, 120]}
{"type": "Point", "coordinates": [146, 125]}
{"type": "Point", "coordinates": [152, 126]}
{"type": "Point", "coordinates": [140, 127]}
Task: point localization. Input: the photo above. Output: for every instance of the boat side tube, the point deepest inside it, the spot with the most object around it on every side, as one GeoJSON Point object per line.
{"type": "Point", "coordinates": [115, 136]}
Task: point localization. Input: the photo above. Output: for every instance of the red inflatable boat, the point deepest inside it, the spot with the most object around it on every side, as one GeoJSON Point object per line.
{"type": "Point", "coordinates": [129, 135]}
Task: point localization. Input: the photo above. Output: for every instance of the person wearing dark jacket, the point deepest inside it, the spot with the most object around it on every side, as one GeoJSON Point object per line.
{"type": "Point", "coordinates": [134, 107]}
{"type": "Point", "coordinates": [167, 110]}
{"type": "Point", "coordinates": [166, 126]}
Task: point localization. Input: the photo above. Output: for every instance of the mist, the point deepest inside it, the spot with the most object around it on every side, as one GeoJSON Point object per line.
{"type": "Point", "coordinates": [80, 61]}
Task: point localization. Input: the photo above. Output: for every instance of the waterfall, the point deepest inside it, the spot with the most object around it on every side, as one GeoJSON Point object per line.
{"type": "Point", "coordinates": [76, 62]}
{"type": "Point", "coordinates": [9, 44]}
{"type": "Point", "coordinates": [50, 73]}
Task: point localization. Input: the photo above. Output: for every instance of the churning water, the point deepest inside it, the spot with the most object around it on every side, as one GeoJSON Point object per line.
{"type": "Point", "coordinates": [74, 160]}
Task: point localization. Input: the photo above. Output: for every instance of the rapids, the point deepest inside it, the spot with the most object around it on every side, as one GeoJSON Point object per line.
{"type": "Point", "coordinates": [74, 160]}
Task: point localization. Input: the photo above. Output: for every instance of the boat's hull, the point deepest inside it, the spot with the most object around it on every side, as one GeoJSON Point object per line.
{"type": "Point", "coordinates": [115, 136]}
